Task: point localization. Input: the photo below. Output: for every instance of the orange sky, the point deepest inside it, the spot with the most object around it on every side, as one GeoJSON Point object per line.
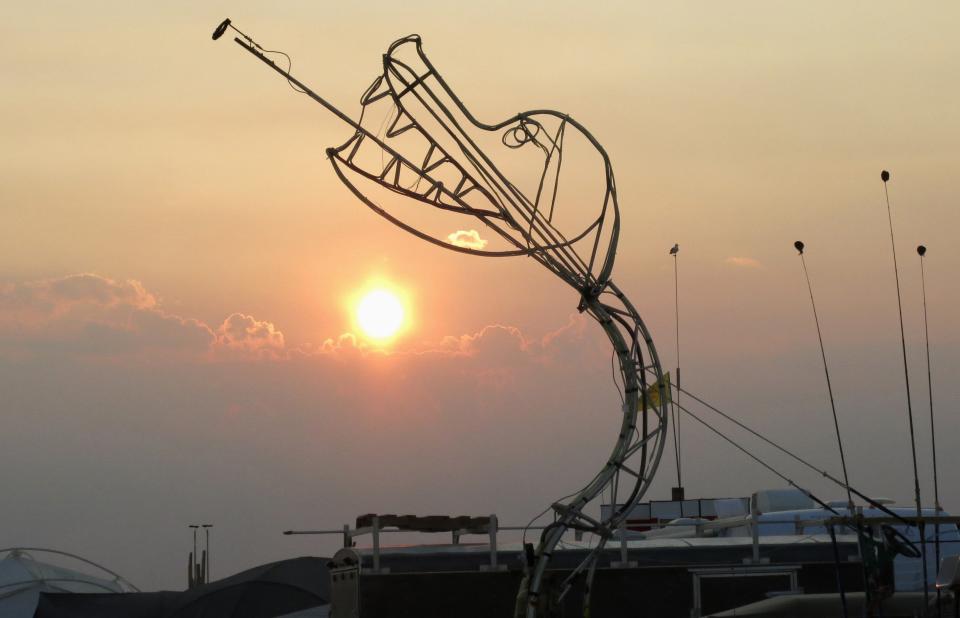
{"type": "Point", "coordinates": [138, 149]}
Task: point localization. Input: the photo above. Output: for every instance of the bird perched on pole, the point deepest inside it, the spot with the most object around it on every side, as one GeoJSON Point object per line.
{"type": "Point", "coordinates": [674, 249]}
{"type": "Point", "coordinates": [799, 246]}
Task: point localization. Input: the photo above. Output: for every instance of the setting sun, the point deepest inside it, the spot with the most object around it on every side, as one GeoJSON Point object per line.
{"type": "Point", "coordinates": [380, 314]}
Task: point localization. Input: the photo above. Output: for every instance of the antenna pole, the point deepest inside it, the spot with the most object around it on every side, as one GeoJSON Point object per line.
{"type": "Point", "coordinates": [826, 372]}
{"type": "Point", "coordinates": [678, 493]}
{"type": "Point", "coordinates": [206, 574]}
{"type": "Point", "coordinates": [254, 48]}
{"type": "Point", "coordinates": [922, 251]}
{"type": "Point", "coordinates": [885, 176]}
{"type": "Point", "coordinates": [192, 576]}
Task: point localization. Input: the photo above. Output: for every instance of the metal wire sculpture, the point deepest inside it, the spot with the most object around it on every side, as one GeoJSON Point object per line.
{"type": "Point", "coordinates": [430, 152]}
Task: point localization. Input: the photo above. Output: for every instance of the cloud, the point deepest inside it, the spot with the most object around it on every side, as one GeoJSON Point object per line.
{"type": "Point", "coordinates": [743, 262]}
{"type": "Point", "coordinates": [90, 315]}
{"type": "Point", "coordinates": [493, 343]}
{"type": "Point", "coordinates": [468, 239]}
{"type": "Point", "coordinates": [345, 342]}
{"type": "Point", "coordinates": [39, 300]}
{"type": "Point", "coordinates": [494, 338]}
{"type": "Point", "coordinates": [143, 331]}
{"type": "Point", "coordinates": [244, 333]}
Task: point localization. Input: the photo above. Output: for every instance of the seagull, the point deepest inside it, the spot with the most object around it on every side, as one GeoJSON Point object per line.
{"type": "Point", "coordinates": [675, 249]}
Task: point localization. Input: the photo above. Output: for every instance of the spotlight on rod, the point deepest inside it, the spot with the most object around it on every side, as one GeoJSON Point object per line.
{"type": "Point", "coordinates": [799, 246]}
{"type": "Point", "coordinates": [884, 175]}
{"type": "Point", "coordinates": [922, 250]}
{"type": "Point", "coordinates": [221, 29]}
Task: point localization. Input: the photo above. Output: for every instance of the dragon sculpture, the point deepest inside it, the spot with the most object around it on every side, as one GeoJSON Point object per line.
{"type": "Point", "coordinates": [442, 162]}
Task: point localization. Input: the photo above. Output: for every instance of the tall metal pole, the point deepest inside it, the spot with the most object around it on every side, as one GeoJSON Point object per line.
{"type": "Point", "coordinates": [193, 559]}
{"type": "Point", "coordinates": [206, 575]}
{"type": "Point", "coordinates": [885, 176]}
{"type": "Point", "coordinates": [922, 251]}
{"type": "Point", "coordinates": [678, 493]}
{"type": "Point", "coordinates": [826, 371]}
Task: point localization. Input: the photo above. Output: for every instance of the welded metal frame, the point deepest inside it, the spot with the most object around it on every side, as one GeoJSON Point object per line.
{"type": "Point", "coordinates": [584, 261]}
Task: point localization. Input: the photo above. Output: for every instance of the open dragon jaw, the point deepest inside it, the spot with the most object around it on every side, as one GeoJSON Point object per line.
{"type": "Point", "coordinates": [427, 146]}
{"type": "Point", "coordinates": [420, 159]}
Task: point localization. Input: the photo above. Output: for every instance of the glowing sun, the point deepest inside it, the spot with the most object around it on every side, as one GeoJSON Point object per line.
{"type": "Point", "coordinates": [380, 314]}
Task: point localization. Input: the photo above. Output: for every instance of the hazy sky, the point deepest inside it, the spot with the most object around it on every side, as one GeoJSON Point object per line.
{"type": "Point", "coordinates": [177, 255]}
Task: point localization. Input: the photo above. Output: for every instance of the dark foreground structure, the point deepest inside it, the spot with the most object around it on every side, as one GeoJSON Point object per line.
{"type": "Point", "coordinates": [263, 592]}
{"type": "Point", "coordinates": [672, 581]}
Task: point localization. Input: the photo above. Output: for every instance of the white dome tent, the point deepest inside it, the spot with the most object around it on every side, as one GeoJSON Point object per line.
{"type": "Point", "coordinates": [23, 577]}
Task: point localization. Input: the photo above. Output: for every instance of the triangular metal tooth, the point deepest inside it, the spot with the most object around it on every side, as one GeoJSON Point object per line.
{"type": "Point", "coordinates": [429, 155]}
{"type": "Point", "coordinates": [466, 186]}
{"type": "Point", "coordinates": [386, 170]}
{"type": "Point", "coordinates": [393, 131]}
{"type": "Point", "coordinates": [356, 146]}
{"type": "Point", "coordinates": [377, 90]}
{"type": "Point", "coordinates": [431, 162]}
{"type": "Point", "coordinates": [436, 188]}
{"type": "Point", "coordinates": [447, 199]}
{"type": "Point", "coordinates": [437, 163]}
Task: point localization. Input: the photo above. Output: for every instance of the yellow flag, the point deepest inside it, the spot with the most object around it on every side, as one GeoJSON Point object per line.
{"type": "Point", "coordinates": [653, 392]}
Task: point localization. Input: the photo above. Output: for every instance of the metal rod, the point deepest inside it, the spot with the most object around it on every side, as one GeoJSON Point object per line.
{"type": "Point", "coordinates": [492, 529]}
{"type": "Point", "coordinates": [623, 542]}
{"type": "Point", "coordinates": [755, 530]}
{"type": "Point", "coordinates": [922, 251]}
{"type": "Point", "coordinates": [310, 93]}
{"type": "Point", "coordinates": [193, 558]}
{"type": "Point", "coordinates": [206, 574]}
{"type": "Point", "coordinates": [376, 544]}
{"type": "Point", "coordinates": [826, 371]}
{"type": "Point", "coordinates": [836, 561]}
{"type": "Point", "coordinates": [885, 176]}
{"type": "Point", "coordinates": [674, 251]}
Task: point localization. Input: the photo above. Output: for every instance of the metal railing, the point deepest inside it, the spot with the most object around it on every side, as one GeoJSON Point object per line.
{"type": "Point", "coordinates": [662, 531]}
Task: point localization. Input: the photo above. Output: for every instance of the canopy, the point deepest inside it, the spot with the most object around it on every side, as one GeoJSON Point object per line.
{"type": "Point", "coordinates": [261, 592]}
{"type": "Point", "coordinates": [23, 578]}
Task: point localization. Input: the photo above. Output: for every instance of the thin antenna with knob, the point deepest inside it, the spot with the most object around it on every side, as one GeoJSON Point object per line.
{"type": "Point", "coordinates": [885, 176]}
{"type": "Point", "coordinates": [678, 493]}
{"type": "Point", "coordinates": [799, 246]}
{"type": "Point", "coordinates": [922, 252]}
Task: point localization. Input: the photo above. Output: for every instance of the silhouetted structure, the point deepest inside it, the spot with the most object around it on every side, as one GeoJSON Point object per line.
{"type": "Point", "coordinates": [506, 175]}
{"type": "Point", "coordinates": [265, 591]}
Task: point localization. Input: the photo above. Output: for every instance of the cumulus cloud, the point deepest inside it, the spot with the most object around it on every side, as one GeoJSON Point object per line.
{"type": "Point", "coordinates": [141, 330]}
{"type": "Point", "coordinates": [495, 338]}
{"type": "Point", "coordinates": [572, 331]}
{"type": "Point", "coordinates": [39, 300]}
{"type": "Point", "coordinates": [493, 343]}
{"type": "Point", "coordinates": [92, 315]}
{"type": "Point", "coordinates": [743, 262]}
{"type": "Point", "coordinates": [241, 332]}
{"type": "Point", "coordinates": [468, 239]}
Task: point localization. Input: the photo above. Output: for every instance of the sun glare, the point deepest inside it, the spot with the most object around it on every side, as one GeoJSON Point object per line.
{"type": "Point", "coordinates": [380, 314]}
